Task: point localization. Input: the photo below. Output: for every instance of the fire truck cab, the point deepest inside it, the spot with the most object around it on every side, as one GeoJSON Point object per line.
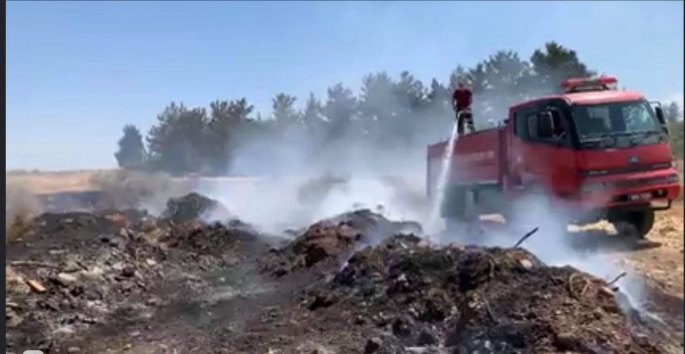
{"type": "Point", "coordinates": [598, 152]}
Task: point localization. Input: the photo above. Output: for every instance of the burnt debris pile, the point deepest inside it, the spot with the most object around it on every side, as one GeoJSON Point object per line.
{"type": "Point", "coordinates": [67, 273]}
{"type": "Point", "coordinates": [473, 299]}
{"type": "Point", "coordinates": [329, 242]}
{"type": "Point", "coordinates": [193, 206]}
{"type": "Point", "coordinates": [72, 271]}
{"type": "Point", "coordinates": [353, 283]}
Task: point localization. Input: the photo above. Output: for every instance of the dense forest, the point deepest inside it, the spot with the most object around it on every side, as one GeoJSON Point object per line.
{"type": "Point", "coordinates": [391, 117]}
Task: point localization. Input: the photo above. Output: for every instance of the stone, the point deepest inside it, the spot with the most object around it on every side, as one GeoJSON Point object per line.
{"type": "Point", "coordinates": [372, 345]}
{"type": "Point", "coordinates": [426, 338]}
{"type": "Point", "coordinates": [66, 279]}
{"type": "Point", "coordinates": [526, 263]}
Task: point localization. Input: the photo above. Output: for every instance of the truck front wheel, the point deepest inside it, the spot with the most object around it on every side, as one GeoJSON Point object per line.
{"type": "Point", "coordinates": [633, 222]}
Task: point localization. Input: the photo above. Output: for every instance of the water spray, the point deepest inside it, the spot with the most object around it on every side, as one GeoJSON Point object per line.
{"type": "Point", "coordinates": [444, 175]}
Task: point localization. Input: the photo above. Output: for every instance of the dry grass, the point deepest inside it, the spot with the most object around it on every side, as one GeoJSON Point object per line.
{"type": "Point", "coordinates": [19, 228]}
{"type": "Point", "coordinates": [54, 182]}
{"type": "Point", "coordinates": [120, 189]}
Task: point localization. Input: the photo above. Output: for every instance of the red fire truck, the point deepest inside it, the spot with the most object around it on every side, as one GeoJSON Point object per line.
{"type": "Point", "coordinates": [594, 150]}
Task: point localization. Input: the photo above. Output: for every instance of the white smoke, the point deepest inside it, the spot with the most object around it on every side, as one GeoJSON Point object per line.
{"type": "Point", "coordinates": [555, 244]}
{"type": "Point", "coordinates": [305, 178]}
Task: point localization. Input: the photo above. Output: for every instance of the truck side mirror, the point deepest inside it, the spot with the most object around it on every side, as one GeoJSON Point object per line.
{"type": "Point", "coordinates": [545, 125]}
{"type": "Point", "coordinates": [660, 115]}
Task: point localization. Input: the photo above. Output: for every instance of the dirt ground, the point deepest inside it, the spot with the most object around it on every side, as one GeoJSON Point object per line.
{"type": "Point", "coordinates": [663, 260]}
{"type": "Point", "coordinates": [661, 263]}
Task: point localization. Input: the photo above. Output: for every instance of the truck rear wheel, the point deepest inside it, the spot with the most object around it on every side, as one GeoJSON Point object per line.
{"type": "Point", "coordinates": [633, 222]}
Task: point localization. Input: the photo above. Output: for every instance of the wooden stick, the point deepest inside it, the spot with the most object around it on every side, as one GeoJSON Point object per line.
{"type": "Point", "coordinates": [617, 278]}
{"type": "Point", "coordinates": [526, 236]}
{"type": "Point", "coordinates": [32, 264]}
{"type": "Point", "coordinates": [489, 310]}
{"type": "Point", "coordinates": [571, 290]}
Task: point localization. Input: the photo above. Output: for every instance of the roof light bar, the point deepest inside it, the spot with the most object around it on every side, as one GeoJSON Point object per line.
{"type": "Point", "coordinates": [596, 84]}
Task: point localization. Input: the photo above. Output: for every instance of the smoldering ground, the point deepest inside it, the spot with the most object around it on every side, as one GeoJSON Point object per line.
{"type": "Point", "coordinates": [557, 243]}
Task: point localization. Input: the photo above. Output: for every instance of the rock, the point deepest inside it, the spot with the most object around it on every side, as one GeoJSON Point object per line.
{"type": "Point", "coordinates": [417, 350]}
{"type": "Point", "coordinates": [400, 328]}
{"type": "Point", "coordinates": [487, 345]}
{"type": "Point", "coordinates": [73, 350]}
{"type": "Point", "coordinates": [14, 283]}
{"type": "Point", "coordinates": [426, 338]}
{"type": "Point", "coordinates": [71, 266]}
{"type": "Point", "coordinates": [372, 345]}
{"type": "Point", "coordinates": [128, 271]}
{"type": "Point", "coordinates": [12, 275]}
{"type": "Point", "coordinates": [64, 330]}
{"type": "Point", "coordinates": [150, 262]}
{"type": "Point", "coordinates": [322, 301]}
{"type": "Point", "coordinates": [36, 286]}
{"type": "Point", "coordinates": [12, 319]}
{"type": "Point", "coordinates": [566, 342]}
{"type": "Point", "coordinates": [525, 263]}
{"type": "Point", "coordinates": [66, 279]}
{"type": "Point", "coordinates": [52, 303]}
{"type": "Point", "coordinates": [92, 274]}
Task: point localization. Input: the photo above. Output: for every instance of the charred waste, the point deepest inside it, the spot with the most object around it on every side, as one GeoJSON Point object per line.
{"type": "Point", "coordinates": [356, 283]}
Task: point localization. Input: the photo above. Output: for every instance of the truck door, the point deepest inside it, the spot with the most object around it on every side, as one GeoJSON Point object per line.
{"type": "Point", "coordinates": [539, 163]}
{"type": "Point", "coordinates": [518, 177]}
{"type": "Point", "coordinates": [561, 155]}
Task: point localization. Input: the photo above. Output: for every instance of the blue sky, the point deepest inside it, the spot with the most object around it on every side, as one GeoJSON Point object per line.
{"type": "Point", "coordinates": [78, 71]}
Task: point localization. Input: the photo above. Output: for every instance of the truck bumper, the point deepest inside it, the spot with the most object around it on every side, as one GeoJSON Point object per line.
{"type": "Point", "coordinates": [657, 189]}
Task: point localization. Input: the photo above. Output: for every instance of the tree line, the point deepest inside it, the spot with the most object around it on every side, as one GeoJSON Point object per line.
{"type": "Point", "coordinates": [389, 113]}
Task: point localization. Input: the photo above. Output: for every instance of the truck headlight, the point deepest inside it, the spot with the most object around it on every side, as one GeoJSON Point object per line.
{"type": "Point", "coordinates": [674, 178]}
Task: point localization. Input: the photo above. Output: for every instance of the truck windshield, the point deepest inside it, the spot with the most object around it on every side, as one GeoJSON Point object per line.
{"type": "Point", "coordinates": [612, 120]}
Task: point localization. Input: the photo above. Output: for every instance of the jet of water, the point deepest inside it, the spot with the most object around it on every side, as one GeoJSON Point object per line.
{"type": "Point", "coordinates": [444, 176]}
